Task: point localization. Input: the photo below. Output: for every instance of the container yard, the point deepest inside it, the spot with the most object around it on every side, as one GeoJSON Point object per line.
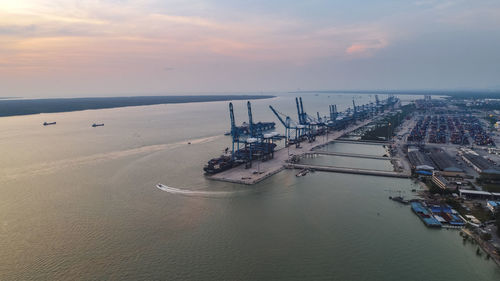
{"type": "Point", "coordinates": [443, 129]}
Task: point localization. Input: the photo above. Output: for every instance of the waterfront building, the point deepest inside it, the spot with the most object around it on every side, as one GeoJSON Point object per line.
{"type": "Point", "coordinates": [494, 206]}
{"type": "Point", "coordinates": [440, 181]}
{"type": "Point", "coordinates": [446, 164]}
{"type": "Point", "coordinates": [477, 162]}
{"type": "Point", "coordinates": [478, 194]}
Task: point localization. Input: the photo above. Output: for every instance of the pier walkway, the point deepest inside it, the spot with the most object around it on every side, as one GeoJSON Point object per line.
{"type": "Point", "coordinates": [349, 170]}
{"type": "Point", "coordinates": [367, 156]}
{"type": "Point", "coordinates": [343, 140]}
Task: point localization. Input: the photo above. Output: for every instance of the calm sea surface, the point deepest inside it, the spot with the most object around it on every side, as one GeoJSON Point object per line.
{"type": "Point", "coordinates": [80, 203]}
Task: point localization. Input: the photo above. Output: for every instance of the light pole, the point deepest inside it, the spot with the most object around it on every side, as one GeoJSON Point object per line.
{"type": "Point", "coordinates": [288, 148]}
{"type": "Point", "coordinates": [388, 130]}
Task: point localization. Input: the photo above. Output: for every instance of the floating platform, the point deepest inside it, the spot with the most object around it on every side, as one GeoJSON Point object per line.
{"type": "Point", "coordinates": [425, 215]}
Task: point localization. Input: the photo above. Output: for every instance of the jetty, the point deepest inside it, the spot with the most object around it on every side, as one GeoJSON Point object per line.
{"type": "Point", "coordinates": [374, 142]}
{"type": "Point", "coordinates": [347, 170]}
{"type": "Point", "coordinates": [357, 155]}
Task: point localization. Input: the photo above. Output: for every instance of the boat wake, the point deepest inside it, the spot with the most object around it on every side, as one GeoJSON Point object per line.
{"type": "Point", "coordinates": [199, 193]}
{"type": "Point", "coordinates": [51, 167]}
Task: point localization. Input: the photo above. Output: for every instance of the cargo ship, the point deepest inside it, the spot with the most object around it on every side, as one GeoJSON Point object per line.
{"type": "Point", "coordinates": [97, 125]}
{"type": "Point", "coordinates": [49, 123]}
{"type": "Point", "coordinates": [217, 165]}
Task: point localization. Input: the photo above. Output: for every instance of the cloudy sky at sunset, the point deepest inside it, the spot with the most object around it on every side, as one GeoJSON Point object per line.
{"type": "Point", "coordinates": [115, 47]}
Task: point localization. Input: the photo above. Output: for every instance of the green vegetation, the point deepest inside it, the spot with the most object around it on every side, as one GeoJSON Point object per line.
{"type": "Point", "coordinates": [492, 187]}
{"type": "Point", "coordinates": [480, 106]}
{"type": "Point", "coordinates": [486, 236]}
{"type": "Point", "coordinates": [490, 181]}
{"type": "Point", "coordinates": [457, 206]}
{"type": "Point", "coordinates": [385, 128]}
{"type": "Point", "coordinates": [481, 213]}
{"type": "Point", "coordinates": [473, 95]}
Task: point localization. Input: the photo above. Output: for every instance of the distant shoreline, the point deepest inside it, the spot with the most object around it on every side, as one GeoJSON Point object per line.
{"type": "Point", "coordinates": [17, 107]}
{"type": "Point", "coordinates": [453, 94]}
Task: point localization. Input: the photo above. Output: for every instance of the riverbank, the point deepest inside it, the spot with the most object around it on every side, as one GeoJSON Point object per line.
{"type": "Point", "coordinates": [485, 246]}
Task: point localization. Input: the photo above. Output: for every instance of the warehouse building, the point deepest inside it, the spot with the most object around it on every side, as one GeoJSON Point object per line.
{"type": "Point", "coordinates": [477, 162]}
{"type": "Point", "coordinates": [446, 164]}
{"type": "Point", "coordinates": [440, 181]}
{"type": "Point", "coordinates": [418, 158]}
{"type": "Point", "coordinates": [478, 194]}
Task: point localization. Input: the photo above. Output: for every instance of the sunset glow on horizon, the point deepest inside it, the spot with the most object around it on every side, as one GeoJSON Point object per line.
{"type": "Point", "coordinates": [71, 48]}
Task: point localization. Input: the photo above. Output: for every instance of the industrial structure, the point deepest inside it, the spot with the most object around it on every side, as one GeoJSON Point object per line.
{"type": "Point", "coordinates": [308, 127]}
{"type": "Point", "coordinates": [256, 141]}
{"type": "Point", "coordinates": [249, 142]}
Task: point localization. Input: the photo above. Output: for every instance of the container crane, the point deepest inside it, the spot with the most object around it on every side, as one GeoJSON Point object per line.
{"type": "Point", "coordinates": [287, 123]}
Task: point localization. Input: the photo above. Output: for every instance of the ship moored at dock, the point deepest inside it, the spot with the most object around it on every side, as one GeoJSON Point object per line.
{"type": "Point", "coordinates": [220, 164]}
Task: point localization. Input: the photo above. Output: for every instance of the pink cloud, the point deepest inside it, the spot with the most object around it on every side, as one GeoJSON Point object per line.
{"type": "Point", "coordinates": [356, 48]}
{"type": "Point", "coordinates": [366, 48]}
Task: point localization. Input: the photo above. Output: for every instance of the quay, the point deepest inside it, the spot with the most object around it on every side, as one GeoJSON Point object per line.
{"type": "Point", "coordinates": [348, 170]}
{"type": "Point", "coordinates": [264, 169]}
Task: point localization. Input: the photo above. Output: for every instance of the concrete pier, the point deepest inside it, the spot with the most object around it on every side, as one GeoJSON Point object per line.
{"type": "Point", "coordinates": [367, 156]}
{"type": "Point", "coordinates": [361, 141]}
{"type": "Point", "coordinates": [349, 170]}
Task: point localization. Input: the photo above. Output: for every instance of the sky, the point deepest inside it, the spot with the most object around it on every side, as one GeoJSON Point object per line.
{"type": "Point", "coordinates": [54, 48]}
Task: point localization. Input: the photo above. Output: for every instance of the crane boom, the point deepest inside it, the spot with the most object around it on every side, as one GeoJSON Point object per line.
{"type": "Point", "coordinates": [298, 110]}
{"type": "Point", "coordinates": [250, 119]}
{"type": "Point", "coordinates": [302, 111]}
{"type": "Point", "coordinates": [231, 115]}
{"type": "Point", "coordinates": [279, 117]}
